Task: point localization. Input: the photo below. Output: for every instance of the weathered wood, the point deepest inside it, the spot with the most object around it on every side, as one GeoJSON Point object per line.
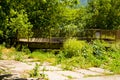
{"type": "Point", "coordinates": [56, 42]}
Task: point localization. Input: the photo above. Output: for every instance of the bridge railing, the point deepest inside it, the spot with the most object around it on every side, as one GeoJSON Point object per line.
{"type": "Point", "coordinates": [87, 34]}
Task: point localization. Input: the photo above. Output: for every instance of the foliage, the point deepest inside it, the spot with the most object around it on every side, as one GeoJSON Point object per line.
{"type": "Point", "coordinates": [114, 60]}
{"type": "Point", "coordinates": [0, 55]}
{"type": "Point", "coordinates": [43, 56]}
{"type": "Point", "coordinates": [61, 18]}
{"type": "Point", "coordinates": [75, 63]}
{"type": "Point", "coordinates": [35, 72]}
{"type": "Point", "coordinates": [98, 48]}
{"type": "Point", "coordinates": [25, 49]}
{"type": "Point", "coordinates": [19, 56]}
{"type": "Point", "coordinates": [17, 18]}
{"type": "Point", "coordinates": [104, 14]}
{"type": "Point", "coordinates": [20, 24]}
{"type": "Point", "coordinates": [69, 30]}
{"type": "Point", "coordinates": [72, 47]}
{"type": "Point", "coordinates": [114, 66]}
{"type": "Point", "coordinates": [11, 54]}
{"type": "Point", "coordinates": [96, 53]}
{"type": "Point", "coordinates": [44, 15]}
{"type": "Point", "coordinates": [1, 48]}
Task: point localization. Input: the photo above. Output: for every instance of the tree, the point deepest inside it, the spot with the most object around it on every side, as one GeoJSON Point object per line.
{"type": "Point", "coordinates": [45, 15]}
{"type": "Point", "coordinates": [104, 14]}
{"type": "Point", "coordinates": [13, 21]}
{"type": "Point", "coordinates": [20, 25]}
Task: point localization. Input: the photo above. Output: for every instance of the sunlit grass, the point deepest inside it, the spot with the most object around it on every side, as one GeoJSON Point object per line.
{"type": "Point", "coordinates": [43, 56]}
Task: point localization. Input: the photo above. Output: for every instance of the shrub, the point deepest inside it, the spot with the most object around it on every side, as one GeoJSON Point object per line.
{"type": "Point", "coordinates": [72, 47]}
{"type": "Point", "coordinates": [82, 54]}
{"type": "Point", "coordinates": [114, 61]}
{"type": "Point", "coordinates": [26, 49]}
{"type": "Point", "coordinates": [87, 50]}
{"type": "Point", "coordinates": [114, 66]}
{"type": "Point", "coordinates": [98, 48]}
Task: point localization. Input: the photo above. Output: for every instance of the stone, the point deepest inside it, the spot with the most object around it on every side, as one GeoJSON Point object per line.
{"type": "Point", "coordinates": [50, 68]}
{"type": "Point", "coordinates": [54, 76]}
{"type": "Point", "coordinates": [100, 70]}
{"type": "Point", "coordinates": [72, 74]}
{"type": "Point", "coordinates": [88, 72]}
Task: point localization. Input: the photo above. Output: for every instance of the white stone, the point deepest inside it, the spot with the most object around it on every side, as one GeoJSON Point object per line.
{"type": "Point", "coordinates": [113, 77]}
{"type": "Point", "coordinates": [55, 76]}
{"type": "Point", "coordinates": [99, 70]}
{"type": "Point", "coordinates": [87, 72]}
{"type": "Point", "coordinates": [50, 68]}
{"type": "Point", "coordinates": [74, 75]}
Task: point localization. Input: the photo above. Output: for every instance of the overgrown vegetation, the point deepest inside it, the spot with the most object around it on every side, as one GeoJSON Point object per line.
{"type": "Point", "coordinates": [55, 18]}
{"type": "Point", "coordinates": [35, 73]}
{"type": "Point", "coordinates": [80, 54]}
{"type": "Point", "coordinates": [11, 54]}
{"type": "Point", "coordinates": [75, 54]}
{"type": "Point", "coordinates": [61, 18]}
{"type": "Point", "coordinates": [43, 56]}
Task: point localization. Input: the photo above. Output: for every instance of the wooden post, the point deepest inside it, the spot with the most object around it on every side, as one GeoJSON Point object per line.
{"type": "Point", "coordinates": [28, 38]}
{"type": "Point", "coordinates": [100, 34]}
{"type": "Point", "coordinates": [116, 35]}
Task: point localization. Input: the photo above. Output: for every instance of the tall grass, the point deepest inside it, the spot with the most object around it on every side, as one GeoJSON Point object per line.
{"type": "Point", "coordinates": [81, 54]}
{"type": "Point", "coordinates": [11, 54]}
{"type": "Point", "coordinates": [43, 56]}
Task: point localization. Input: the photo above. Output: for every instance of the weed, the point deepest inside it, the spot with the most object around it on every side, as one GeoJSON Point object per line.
{"type": "Point", "coordinates": [35, 72]}
{"type": "Point", "coordinates": [19, 56]}
{"type": "Point", "coordinates": [70, 77]}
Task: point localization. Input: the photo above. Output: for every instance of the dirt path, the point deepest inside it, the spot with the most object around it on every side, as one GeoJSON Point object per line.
{"type": "Point", "coordinates": [56, 73]}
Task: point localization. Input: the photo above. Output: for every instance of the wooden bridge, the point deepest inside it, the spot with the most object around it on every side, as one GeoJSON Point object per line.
{"type": "Point", "coordinates": [57, 42]}
{"type": "Point", "coordinates": [43, 43]}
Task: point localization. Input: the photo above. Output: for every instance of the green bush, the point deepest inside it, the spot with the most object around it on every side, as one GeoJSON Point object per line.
{"type": "Point", "coordinates": [81, 54]}
{"type": "Point", "coordinates": [25, 49]}
{"type": "Point", "coordinates": [72, 47]}
{"type": "Point", "coordinates": [98, 48]}
{"type": "Point", "coordinates": [114, 66]}
{"type": "Point", "coordinates": [114, 61]}
{"type": "Point", "coordinates": [87, 50]}
{"type": "Point", "coordinates": [75, 54]}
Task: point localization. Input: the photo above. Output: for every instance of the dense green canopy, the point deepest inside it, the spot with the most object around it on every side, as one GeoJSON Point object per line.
{"type": "Point", "coordinates": [19, 17]}
{"type": "Point", "coordinates": [104, 14]}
